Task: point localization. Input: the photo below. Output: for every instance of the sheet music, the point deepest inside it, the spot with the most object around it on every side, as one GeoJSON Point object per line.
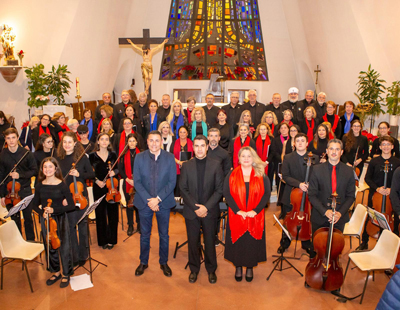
{"type": "Point", "coordinates": [91, 208]}
{"type": "Point", "coordinates": [378, 219]}
{"type": "Point", "coordinates": [283, 228]}
{"type": "Point", "coordinates": [20, 206]}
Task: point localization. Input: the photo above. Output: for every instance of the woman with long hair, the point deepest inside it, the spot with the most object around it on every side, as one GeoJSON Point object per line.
{"type": "Point", "coordinates": [288, 145]}
{"type": "Point", "coordinates": [263, 137]}
{"type": "Point", "coordinates": [245, 118]}
{"type": "Point", "coordinates": [45, 126]}
{"type": "Point", "coordinates": [151, 120]}
{"type": "Point", "coordinates": [106, 212]}
{"type": "Point", "coordinates": [120, 138]}
{"type": "Point", "coordinates": [125, 168]}
{"type": "Point", "coordinates": [51, 186]}
{"type": "Point", "coordinates": [90, 123]}
{"type": "Point", "coordinates": [320, 142]}
{"type": "Point", "coordinates": [242, 139]}
{"type": "Point", "coordinates": [168, 138]}
{"type": "Point", "coordinates": [107, 127]}
{"type": "Point", "coordinates": [199, 125]}
{"type": "Point", "coordinates": [247, 191]}
{"type": "Point", "coordinates": [310, 123]}
{"type": "Point", "coordinates": [68, 152]}
{"type": "Point", "coordinates": [182, 145]}
{"type": "Point", "coordinates": [271, 120]}
{"type": "Point", "coordinates": [333, 119]}
{"type": "Point", "coordinates": [26, 134]}
{"type": "Point", "coordinates": [106, 112]}
{"type": "Point", "coordinates": [44, 148]}
{"type": "Point", "coordinates": [176, 118]}
{"type": "Point", "coordinates": [226, 131]}
{"type": "Point", "coordinates": [136, 123]}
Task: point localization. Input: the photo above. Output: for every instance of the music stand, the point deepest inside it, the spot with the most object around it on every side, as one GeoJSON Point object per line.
{"type": "Point", "coordinates": [281, 258]}
{"type": "Point", "coordinates": [89, 210]}
{"type": "Point", "coordinates": [20, 206]}
{"type": "Point", "coordinates": [378, 219]}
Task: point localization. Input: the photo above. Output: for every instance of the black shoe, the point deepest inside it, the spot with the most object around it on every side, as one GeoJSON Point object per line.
{"type": "Point", "coordinates": [64, 284]}
{"type": "Point", "coordinates": [138, 230]}
{"type": "Point", "coordinates": [310, 252]}
{"type": "Point", "coordinates": [53, 279]}
{"type": "Point", "coordinates": [193, 277]}
{"type": "Point", "coordinates": [281, 250]}
{"type": "Point", "coordinates": [217, 242]}
{"type": "Point", "coordinates": [389, 272]}
{"type": "Point", "coordinates": [140, 269]}
{"type": "Point", "coordinates": [363, 246]}
{"type": "Point", "coordinates": [105, 246]}
{"type": "Point", "coordinates": [130, 230]}
{"type": "Point", "coordinates": [239, 274]}
{"type": "Point", "coordinates": [166, 270]}
{"type": "Point", "coordinates": [110, 246]}
{"type": "Point", "coordinates": [212, 277]}
{"type": "Point", "coordinates": [249, 274]}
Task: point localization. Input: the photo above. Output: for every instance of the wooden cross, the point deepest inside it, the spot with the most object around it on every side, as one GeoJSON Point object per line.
{"type": "Point", "coordinates": [317, 71]}
{"type": "Point", "coordinates": [145, 41]}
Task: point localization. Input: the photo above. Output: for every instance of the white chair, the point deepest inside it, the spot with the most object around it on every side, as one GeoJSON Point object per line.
{"type": "Point", "coordinates": [13, 246]}
{"type": "Point", "coordinates": [354, 227]}
{"type": "Point", "coordinates": [382, 257]}
{"type": "Point", "coordinates": [3, 213]}
{"type": "Point", "coordinates": [92, 215]}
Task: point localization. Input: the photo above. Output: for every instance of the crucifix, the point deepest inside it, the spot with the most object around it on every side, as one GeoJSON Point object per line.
{"type": "Point", "coordinates": [146, 53]}
{"type": "Point", "coordinates": [316, 79]}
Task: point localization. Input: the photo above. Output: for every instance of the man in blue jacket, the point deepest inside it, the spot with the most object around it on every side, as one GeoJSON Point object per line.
{"type": "Point", "coordinates": [154, 179]}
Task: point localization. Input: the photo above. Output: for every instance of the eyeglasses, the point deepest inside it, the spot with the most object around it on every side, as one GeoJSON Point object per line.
{"type": "Point", "coordinates": [293, 131]}
{"type": "Point", "coordinates": [356, 126]}
{"type": "Point", "coordinates": [51, 142]}
{"type": "Point", "coordinates": [386, 144]}
{"type": "Point", "coordinates": [45, 119]}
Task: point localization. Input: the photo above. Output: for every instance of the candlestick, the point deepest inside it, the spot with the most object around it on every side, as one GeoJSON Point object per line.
{"type": "Point", "coordinates": [78, 88]}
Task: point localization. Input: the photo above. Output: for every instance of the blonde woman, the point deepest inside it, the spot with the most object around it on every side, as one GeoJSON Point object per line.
{"type": "Point", "coordinates": [176, 118]}
{"type": "Point", "coordinates": [245, 241]}
{"type": "Point", "coordinates": [107, 127]}
{"type": "Point", "coordinates": [199, 125]}
{"type": "Point", "coordinates": [271, 120]}
{"type": "Point", "coordinates": [242, 139]}
{"type": "Point", "coordinates": [26, 134]}
{"type": "Point", "coordinates": [310, 123]}
{"type": "Point", "coordinates": [168, 138]}
{"type": "Point", "coordinates": [263, 139]}
{"type": "Point", "coordinates": [245, 118]}
{"type": "Point", "coordinates": [106, 112]}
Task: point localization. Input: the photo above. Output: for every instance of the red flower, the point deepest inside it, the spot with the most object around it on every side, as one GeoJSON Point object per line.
{"type": "Point", "coordinates": [178, 74]}
{"type": "Point", "coordinates": [21, 52]}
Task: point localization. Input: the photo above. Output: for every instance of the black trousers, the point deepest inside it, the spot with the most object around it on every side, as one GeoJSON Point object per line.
{"type": "Point", "coordinates": [193, 228]}
{"type": "Point", "coordinates": [79, 246]}
{"type": "Point", "coordinates": [129, 211]}
{"type": "Point", "coordinates": [28, 222]}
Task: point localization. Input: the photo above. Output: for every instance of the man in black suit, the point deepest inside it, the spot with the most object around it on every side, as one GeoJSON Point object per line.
{"type": "Point", "coordinates": [141, 107]}
{"type": "Point", "coordinates": [233, 111]}
{"type": "Point", "coordinates": [294, 105]}
{"type": "Point", "coordinates": [216, 152]}
{"type": "Point", "coordinates": [211, 111]}
{"type": "Point", "coordinates": [163, 110]}
{"type": "Point", "coordinates": [256, 108]}
{"type": "Point", "coordinates": [294, 170]}
{"type": "Point", "coordinates": [201, 193]}
{"type": "Point", "coordinates": [320, 105]}
{"type": "Point", "coordinates": [276, 107]}
{"type": "Point", "coordinates": [119, 109]}
{"type": "Point", "coordinates": [331, 176]}
{"type": "Point", "coordinates": [106, 97]}
{"type": "Point", "coordinates": [307, 101]}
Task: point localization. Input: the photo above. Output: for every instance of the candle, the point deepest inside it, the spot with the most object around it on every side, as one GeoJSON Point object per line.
{"type": "Point", "coordinates": [78, 89]}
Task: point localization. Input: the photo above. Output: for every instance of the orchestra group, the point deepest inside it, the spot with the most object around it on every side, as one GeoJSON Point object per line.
{"type": "Point", "coordinates": [205, 155]}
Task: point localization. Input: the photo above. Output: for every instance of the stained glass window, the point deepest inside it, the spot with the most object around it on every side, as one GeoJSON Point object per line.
{"type": "Point", "coordinates": [214, 36]}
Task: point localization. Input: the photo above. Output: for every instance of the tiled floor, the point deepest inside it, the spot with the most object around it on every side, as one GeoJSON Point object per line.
{"type": "Point", "coordinates": [116, 287]}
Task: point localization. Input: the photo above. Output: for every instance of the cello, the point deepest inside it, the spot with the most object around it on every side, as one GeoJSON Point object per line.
{"type": "Point", "coordinates": [324, 271]}
{"type": "Point", "coordinates": [381, 203]}
{"type": "Point", "coordinates": [297, 221]}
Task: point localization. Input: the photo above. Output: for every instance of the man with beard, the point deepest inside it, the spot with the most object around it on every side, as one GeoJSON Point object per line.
{"type": "Point", "coordinates": [294, 105]}
{"type": "Point", "coordinates": [320, 105]}
{"type": "Point", "coordinates": [119, 109]}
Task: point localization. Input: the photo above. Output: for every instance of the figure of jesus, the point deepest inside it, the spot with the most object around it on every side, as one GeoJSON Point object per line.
{"type": "Point", "coordinates": [147, 66]}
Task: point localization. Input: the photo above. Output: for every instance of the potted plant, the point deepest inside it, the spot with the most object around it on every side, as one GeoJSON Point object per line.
{"type": "Point", "coordinates": [239, 71]}
{"type": "Point", "coordinates": [392, 103]}
{"type": "Point", "coordinates": [58, 83]}
{"type": "Point", "coordinates": [370, 90]}
{"type": "Point", "coordinates": [37, 87]}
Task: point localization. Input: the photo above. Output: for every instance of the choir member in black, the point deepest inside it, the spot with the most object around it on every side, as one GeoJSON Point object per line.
{"type": "Point", "coordinates": [165, 108]}
{"type": "Point", "coordinates": [26, 169]}
{"type": "Point", "coordinates": [242, 139]}
{"type": "Point", "coordinates": [383, 130]}
{"type": "Point", "coordinates": [375, 180]}
{"type": "Point", "coordinates": [211, 111]}
{"type": "Point", "coordinates": [106, 112]}
{"type": "Point", "coordinates": [320, 105]}
{"type": "Point", "coordinates": [347, 118]}
{"type": "Point", "coordinates": [233, 111]}
{"type": "Point", "coordinates": [199, 125]}
{"type": "Point", "coordinates": [225, 130]}
{"type": "Point", "coordinates": [107, 127]}
{"type": "Point", "coordinates": [201, 184]}
{"type": "Point", "coordinates": [263, 137]}
{"type": "Point", "coordinates": [176, 118]}
{"type": "Point", "coordinates": [67, 153]}
{"type": "Point", "coordinates": [167, 137]}
{"type": "Point", "coordinates": [119, 140]}
{"type": "Point", "coordinates": [125, 168]}
{"type": "Point", "coordinates": [271, 120]}
{"type": "Point", "coordinates": [355, 145]}
{"type": "Point", "coordinates": [275, 107]}
{"type": "Point", "coordinates": [26, 134]}
{"type": "Point", "coordinates": [308, 101]}
{"type": "Point", "coordinates": [294, 105]}
{"type": "Point", "coordinates": [245, 118]}
{"type": "Point", "coordinates": [289, 144]}
{"type": "Point", "coordinates": [333, 119]}
{"type": "Point", "coordinates": [90, 124]}
{"type": "Point", "coordinates": [294, 174]}
{"type": "Point", "coordinates": [106, 213]}
{"type": "Point", "coordinates": [45, 127]}
{"type": "Point", "coordinates": [119, 108]}
{"type": "Point", "coordinates": [191, 104]}
{"type": "Point", "coordinates": [141, 107]}
{"type": "Point", "coordinates": [310, 123]}
{"type": "Point", "coordinates": [83, 134]}
{"type": "Point", "coordinates": [395, 193]}
{"type": "Point", "coordinates": [106, 98]}
{"type": "Point", "coordinates": [182, 145]}
{"type": "Point", "coordinates": [288, 117]}
{"type": "Point", "coordinates": [320, 142]}
{"type": "Point", "coordinates": [44, 148]}
{"type": "Point", "coordinates": [51, 186]}
{"type": "Point", "coordinates": [4, 125]}
{"type": "Point", "coordinates": [130, 113]}
{"type": "Point", "coordinates": [247, 191]}
{"type": "Point", "coordinates": [256, 108]}
{"type": "Point", "coordinates": [151, 120]}
{"type": "Point", "coordinates": [331, 176]}
{"type": "Point", "coordinates": [216, 152]}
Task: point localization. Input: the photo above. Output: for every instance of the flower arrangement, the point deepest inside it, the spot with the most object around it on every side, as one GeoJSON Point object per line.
{"type": "Point", "coordinates": [249, 76]}
{"type": "Point", "coordinates": [200, 75]}
{"type": "Point", "coordinates": [230, 76]}
{"type": "Point", "coordinates": [371, 138]}
{"type": "Point", "coordinates": [239, 71]}
{"type": "Point", "coordinates": [178, 75]}
{"type": "Point", "coordinates": [20, 55]}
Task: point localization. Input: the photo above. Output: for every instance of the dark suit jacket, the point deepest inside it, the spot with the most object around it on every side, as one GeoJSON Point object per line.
{"type": "Point", "coordinates": [53, 133]}
{"type": "Point", "coordinates": [212, 187]}
{"type": "Point", "coordinates": [304, 104]}
{"type": "Point", "coordinates": [164, 176]}
{"type": "Point", "coordinates": [321, 110]}
{"type": "Point", "coordinates": [277, 111]}
{"type": "Point", "coordinates": [26, 137]}
{"type": "Point", "coordinates": [119, 111]}
{"type": "Point", "coordinates": [297, 109]}
{"type": "Point", "coordinates": [147, 125]}
{"type": "Point", "coordinates": [259, 108]}
{"type": "Point", "coordinates": [320, 189]}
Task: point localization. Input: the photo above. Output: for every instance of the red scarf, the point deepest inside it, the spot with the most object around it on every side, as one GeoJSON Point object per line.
{"type": "Point", "coordinates": [99, 127]}
{"type": "Point", "coordinates": [189, 113]}
{"type": "Point", "coordinates": [237, 145]}
{"type": "Point", "coordinates": [177, 150]}
{"type": "Point", "coordinates": [272, 126]}
{"type": "Point", "coordinates": [239, 226]}
{"type": "Point", "coordinates": [334, 125]}
{"type": "Point", "coordinates": [290, 123]}
{"type": "Point", "coordinates": [64, 129]}
{"type": "Point", "coordinates": [263, 152]}
{"type": "Point", "coordinates": [122, 141]}
{"type": "Point", "coordinates": [41, 131]}
{"type": "Point", "coordinates": [310, 130]}
{"type": "Point", "coordinates": [128, 170]}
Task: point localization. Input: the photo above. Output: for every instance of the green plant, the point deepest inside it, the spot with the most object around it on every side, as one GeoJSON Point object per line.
{"type": "Point", "coordinates": [370, 90]}
{"type": "Point", "coordinates": [37, 87]}
{"type": "Point", "coordinates": [58, 83]}
{"type": "Point", "coordinates": [392, 98]}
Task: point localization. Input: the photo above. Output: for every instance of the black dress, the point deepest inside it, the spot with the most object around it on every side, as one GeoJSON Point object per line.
{"type": "Point", "coordinates": [321, 147]}
{"type": "Point", "coordinates": [246, 251]}
{"type": "Point", "coordinates": [227, 137]}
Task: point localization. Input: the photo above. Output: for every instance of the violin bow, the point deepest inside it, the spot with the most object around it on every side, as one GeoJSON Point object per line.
{"type": "Point", "coordinates": [79, 158]}
{"type": "Point", "coordinates": [15, 167]}
{"type": "Point", "coordinates": [116, 161]}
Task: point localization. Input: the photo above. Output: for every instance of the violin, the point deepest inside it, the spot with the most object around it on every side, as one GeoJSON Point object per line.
{"type": "Point", "coordinates": [77, 189]}
{"type": "Point", "coordinates": [51, 226]}
{"type": "Point", "coordinates": [113, 195]}
{"type": "Point", "coordinates": [381, 203]}
{"type": "Point", "coordinates": [324, 271]}
{"type": "Point", "coordinates": [297, 221]}
{"type": "Point", "coordinates": [131, 193]}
